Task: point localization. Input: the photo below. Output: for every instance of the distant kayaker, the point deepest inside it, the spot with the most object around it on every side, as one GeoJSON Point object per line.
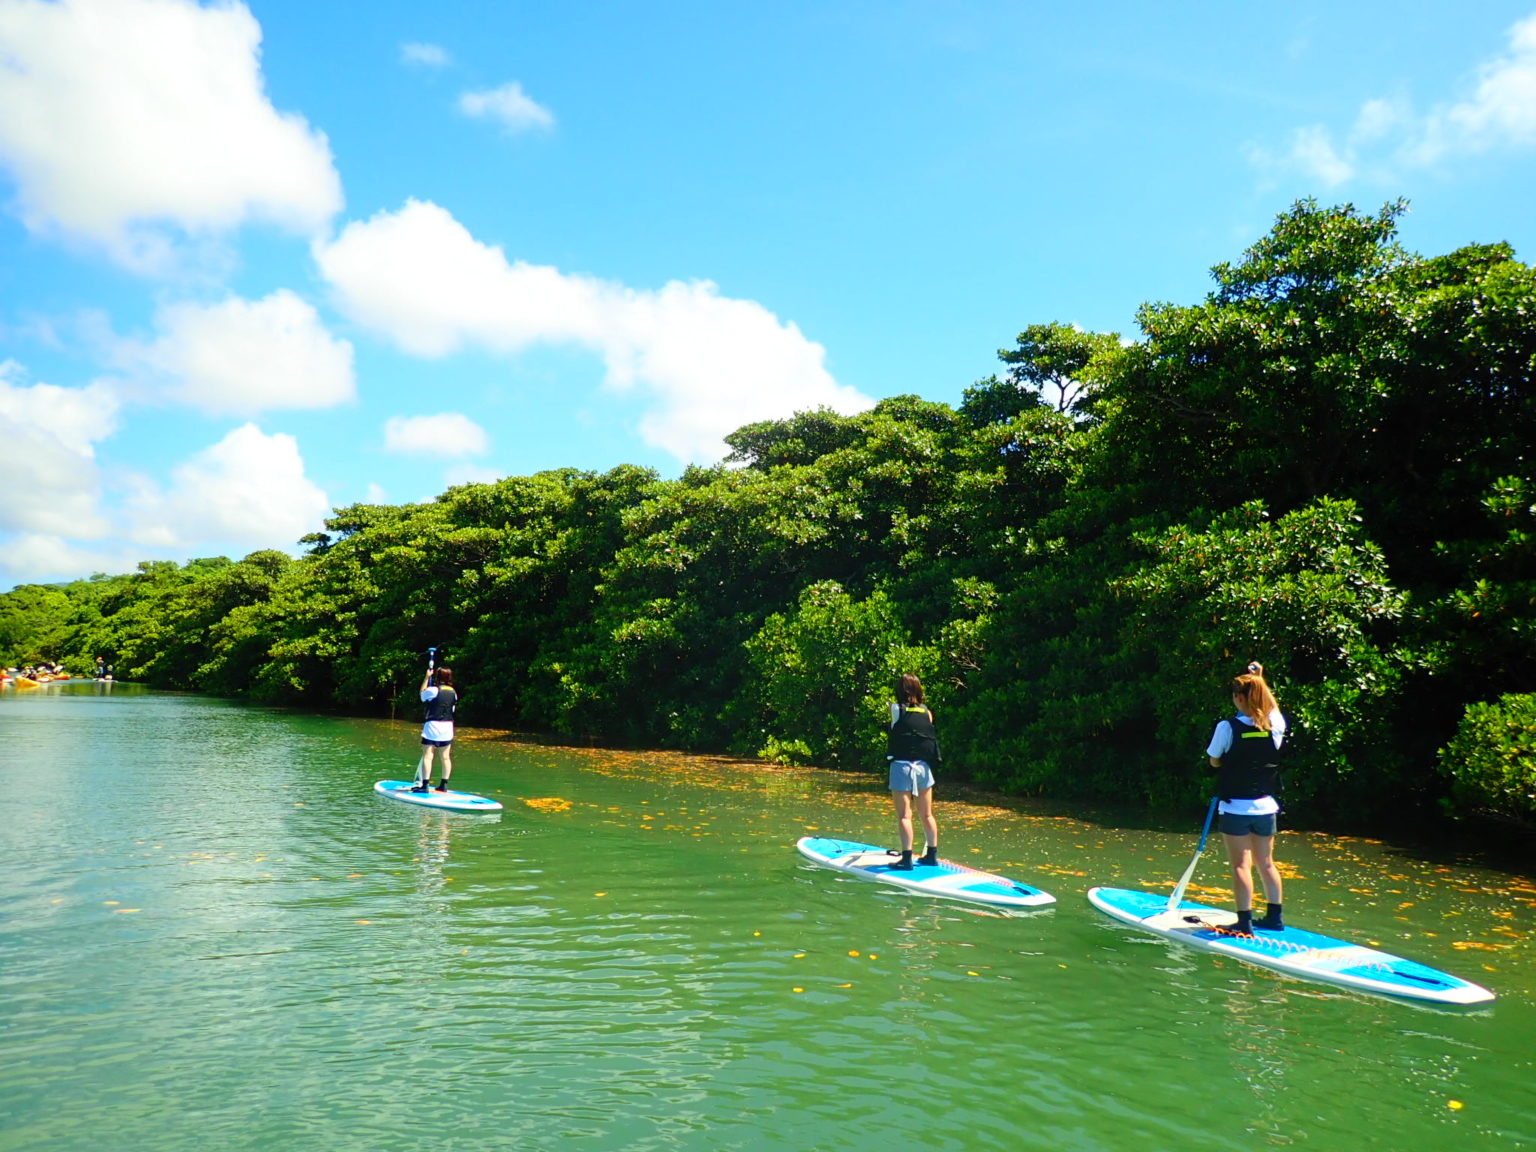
{"type": "Point", "coordinates": [912, 747]}
{"type": "Point", "coordinates": [1246, 751]}
{"type": "Point", "coordinates": [440, 697]}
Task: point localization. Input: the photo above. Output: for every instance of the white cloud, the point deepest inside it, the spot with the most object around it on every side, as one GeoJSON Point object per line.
{"type": "Point", "coordinates": [48, 436]}
{"type": "Point", "coordinates": [132, 124]}
{"type": "Point", "coordinates": [247, 357]}
{"type": "Point", "coordinates": [1500, 112]}
{"type": "Point", "coordinates": [705, 364]}
{"type": "Point", "coordinates": [418, 276]}
{"type": "Point", "coordinates": [471, 474]}
{"type": "Point", "coordinates": [246, 492]}
{"type": "Point", "coordinates": [1313, 153]}
{"type": "Point", "coordinates": [509, 106]}
{"type": "Point", "coordinates": [1388, 136]}
{"type": "Point", "coordinates": [425, 55]}
{"type": "Point", "coordinates": [445, 434]}
{"type": "Point", "coordinates": [33, 557]}
{"type": "Point", "coordinates": [375, 494]}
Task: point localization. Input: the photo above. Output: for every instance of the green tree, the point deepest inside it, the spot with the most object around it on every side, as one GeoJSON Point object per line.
{"type": "Point", "coordinates": [1309, 597]}
{"type": "Point", "coordinates": [824, 675]}
{"type": "Point", "coordinates": [1061, 364]}
{"type": "Point", "coordinates": [32, 623]}
{"type": "Point", "coordinates": [1491, 761]}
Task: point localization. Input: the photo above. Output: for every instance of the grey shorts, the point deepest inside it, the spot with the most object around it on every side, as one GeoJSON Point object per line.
{"type": "Point", "coordinates": [910, 776]}
{"type": "Point", "coordinates": [1231, 824]}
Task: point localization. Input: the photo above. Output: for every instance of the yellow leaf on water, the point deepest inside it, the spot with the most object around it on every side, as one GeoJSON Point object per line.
{"type": "Point", "coordinates": [1454, 1105]}
{"type": "Point", "coordinates": [799, 989]}
{"type": "Point", "coordinates": [122, 911]}
{"type": "Point", "coordinates": [853, 951]}
{"type": "Point", "coordinates": [548, 804]}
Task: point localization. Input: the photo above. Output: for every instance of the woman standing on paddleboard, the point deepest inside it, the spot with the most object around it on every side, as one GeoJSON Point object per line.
{"type": "Point", "coordinates": [912, 747]}
{"type": "Point", "coordinates": [1246, 751]}
{"type": "Point", "coordinates": [438, 694]}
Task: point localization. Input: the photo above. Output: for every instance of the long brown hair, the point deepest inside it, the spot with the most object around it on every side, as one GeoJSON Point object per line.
{"type": "Point", "coordinates": [443, 677]}
{"type": "Point", "coordinates": [909, 690]}
{"type": "Point", "coordinates": [1253, 696]}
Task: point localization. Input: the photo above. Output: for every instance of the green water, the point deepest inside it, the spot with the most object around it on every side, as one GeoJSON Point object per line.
{"type": "Point", "coordinates": [215, 936]}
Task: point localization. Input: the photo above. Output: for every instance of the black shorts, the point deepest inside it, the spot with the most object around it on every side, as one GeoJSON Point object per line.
{"type": "Point", "coordinates": [437, 743]}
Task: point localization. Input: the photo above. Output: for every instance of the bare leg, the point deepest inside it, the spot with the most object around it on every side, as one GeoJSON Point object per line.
{"type": "Point", "coordinates": [902, 801]}
{"type": "Point", "coordinates": [1269, 875]}
{"type": "Point", "coordinates": [925, 813]}
{"type": "Point", "coordinates": [447, 765]}
{"type": "Point", "coordinates": [1239, 852]}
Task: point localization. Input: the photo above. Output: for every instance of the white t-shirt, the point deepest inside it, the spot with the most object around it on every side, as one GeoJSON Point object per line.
{"type": "Point", "coordinates": [1221, 744]}
{"type": "Point", "coordinates": [435, 729]}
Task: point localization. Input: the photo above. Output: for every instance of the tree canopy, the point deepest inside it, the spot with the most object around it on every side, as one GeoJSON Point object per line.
{"type": "Point", "coordinates": [1324, 465]}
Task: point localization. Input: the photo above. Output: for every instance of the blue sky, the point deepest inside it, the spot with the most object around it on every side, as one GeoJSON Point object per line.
{"type": "Point", "coordinates": [258, 261]}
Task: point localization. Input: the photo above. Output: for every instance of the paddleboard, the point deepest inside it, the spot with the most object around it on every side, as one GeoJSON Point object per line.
{"type": "Point", "coordinates": [453, 801]}
{"type": "Point", "coordinates": [1293, 951]}
{"type": "Point", "coordinates": [947, 879]}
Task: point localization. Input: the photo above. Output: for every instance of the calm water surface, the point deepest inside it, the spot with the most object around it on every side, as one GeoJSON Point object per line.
{"type": "Point", "coordinates": [215, 936]}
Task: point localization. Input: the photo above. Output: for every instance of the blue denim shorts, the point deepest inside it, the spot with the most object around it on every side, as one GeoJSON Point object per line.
{"type": "Point", "coordinates": [910, 776]}
{"type": "Point", "coordinates": [1231, 824]}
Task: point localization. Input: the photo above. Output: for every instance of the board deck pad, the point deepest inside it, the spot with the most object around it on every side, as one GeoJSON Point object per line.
{"type": "Point", "coordinates": [450, 800]}
{"type": "Point", "coordinates": [1293, 951]}
{"type": "Point", "coordinates": [946, 879]}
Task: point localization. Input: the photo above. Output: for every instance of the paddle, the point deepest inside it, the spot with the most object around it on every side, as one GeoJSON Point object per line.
{"type": "Point", "coordinates": [422, 763]}
{"type": "Point", "coordinates": [1178, 892]}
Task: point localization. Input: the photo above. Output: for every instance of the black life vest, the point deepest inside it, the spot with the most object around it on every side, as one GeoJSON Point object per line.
{"type": "Point", "coordinates": [441, 706]}
{"type": "Point", "coordinates": [912, 736]}
{"type": "Point", "coordinates": [1251, 767]}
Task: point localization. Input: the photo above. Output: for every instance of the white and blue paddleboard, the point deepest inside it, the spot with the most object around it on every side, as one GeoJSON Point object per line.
{"type": "Point", "coordinates": [432, 798]}
{"type": "Point", "coordinates": [1293, 951]}
{"type": "Point", "coordinates": [947, 879]}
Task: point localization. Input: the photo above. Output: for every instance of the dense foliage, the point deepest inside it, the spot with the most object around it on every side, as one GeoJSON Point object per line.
{"type": "Point", "coordinates": [1324, 465]}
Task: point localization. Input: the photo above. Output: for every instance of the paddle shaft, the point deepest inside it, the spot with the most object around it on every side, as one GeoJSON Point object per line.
{"type": "Point", "coordinates": [431, 668]}
{"type": "Point", "coordinates": [1178, 891]}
